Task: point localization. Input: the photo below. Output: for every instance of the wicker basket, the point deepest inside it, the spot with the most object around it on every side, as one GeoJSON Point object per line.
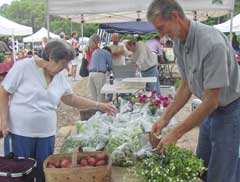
{"type": "Point", "coordinates": [78, 174]}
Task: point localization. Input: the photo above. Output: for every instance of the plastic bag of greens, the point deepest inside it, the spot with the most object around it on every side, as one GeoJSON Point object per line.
{"type": "Point", "coordinates": [124, 155]}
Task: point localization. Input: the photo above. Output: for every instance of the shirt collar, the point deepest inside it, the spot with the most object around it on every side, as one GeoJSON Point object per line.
{"type": "Point", "coordinates": [190, 37]}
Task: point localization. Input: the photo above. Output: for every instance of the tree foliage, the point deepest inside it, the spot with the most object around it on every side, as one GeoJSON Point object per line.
{"type": "Point", "coordinates": [33, 13]}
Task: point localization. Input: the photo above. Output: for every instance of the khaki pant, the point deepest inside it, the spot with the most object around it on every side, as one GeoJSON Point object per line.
{"type": "Point", "coordinates": [95, 83]}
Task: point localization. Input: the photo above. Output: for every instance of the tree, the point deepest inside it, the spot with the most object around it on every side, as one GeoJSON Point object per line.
{"type": "Point", "coordinates": [33, 13]}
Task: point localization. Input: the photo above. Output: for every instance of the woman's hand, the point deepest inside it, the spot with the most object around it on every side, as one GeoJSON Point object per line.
{"type": "Point", "coordinates": [3, 128]}
{"type": "Point", "coordinates": [108, 108]}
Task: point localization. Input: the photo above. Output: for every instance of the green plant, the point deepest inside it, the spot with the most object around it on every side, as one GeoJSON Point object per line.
{"type": "Point", "coordinates": [2, 57]}
{"type": "Point", "coordinates": [175, 165]}
{"type": "Point", "coordinates": [177, 83]}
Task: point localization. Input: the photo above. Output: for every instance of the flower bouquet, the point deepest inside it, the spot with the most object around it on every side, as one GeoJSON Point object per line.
{"type": "Point", "coordinates": [154, 102]}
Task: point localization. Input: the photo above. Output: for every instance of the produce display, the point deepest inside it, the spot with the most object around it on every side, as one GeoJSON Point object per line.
{"type": "Point", "coordinates": [176, 164]}
{"type": "Point", "coordinates": [120, 135]}
{"type": "Point", "coordinates": [99, 159]}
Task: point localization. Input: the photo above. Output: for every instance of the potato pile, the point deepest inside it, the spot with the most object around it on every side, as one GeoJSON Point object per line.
{"type": "Point", "coordinates": [99, 159]}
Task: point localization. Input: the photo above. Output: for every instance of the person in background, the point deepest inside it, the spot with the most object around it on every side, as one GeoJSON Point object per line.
{"type": "Point", "coordinates": [75, 46]}
{"type": "Point", "coordinates": [146, 62]}
{"type": "Point", "coordinates": [100, 64]}
{"type": "Point", "coordinates": [209, 70]}
{"type": "Point", "coordinates": [35, 86]}
{"type": "Point", "coordinates": [62, 36]}
{"type": "Point", "coordinates": [9, 44]}
{"type": "Point", "coordinates": [155, 46]}
{"type": "Point", "coordinates": [44, 42]}
{"type": "Point", "coordinates": [118, 51]}
{"type": "Point", "coordinates": [93, 44]}
{"type": "Point", "coordinates": [235, 44]}
{"type": "Point", "coordinates": [4, 48]}
{"type": "Point", "coordinates": [168, 52]}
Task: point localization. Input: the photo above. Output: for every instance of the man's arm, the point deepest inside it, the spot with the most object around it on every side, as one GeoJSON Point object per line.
{"type": "Point", "coordinates": [209, 104]}
{"type": "Point", "coordinates": [121, 52]}
{"type": "Point", "coordinates": [4, 98]}
{"type": "Point", "coordinates": [182, 96]}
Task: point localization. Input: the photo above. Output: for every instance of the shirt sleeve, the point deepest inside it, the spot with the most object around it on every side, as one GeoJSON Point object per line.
{"type": "Point", "coordinates": [216, 68]}
{"type": "Point", "coordinates": [109, 60]}
{"type": "Point", "coordinates": [141, 54]}
{"type": "Point", "coordinates": [14, 78]}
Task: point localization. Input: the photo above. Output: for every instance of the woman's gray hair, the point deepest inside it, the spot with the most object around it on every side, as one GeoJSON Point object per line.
{"type": "Point", "coordinates": [163, 8]}
{"type": "Point", "coordinates": [93, 41]}
{"type": "Point", "coordinates": [57, 49]}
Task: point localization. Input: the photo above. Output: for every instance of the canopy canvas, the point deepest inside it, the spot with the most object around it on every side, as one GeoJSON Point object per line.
{"type": "Point", "coordinates": [129, 27]}
{"type": "Point", "coordinates": [226, 26]}
{"type": "Point", "coordinates": [8, 27]}
{"type": "Point", "coordinates": [102, 11]}
{"type": "Point", "coordinates": [37, 37]}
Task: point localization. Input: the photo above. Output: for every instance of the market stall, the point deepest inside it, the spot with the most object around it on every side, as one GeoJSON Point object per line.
{"type": "Point", "coordinates": [12, 29]}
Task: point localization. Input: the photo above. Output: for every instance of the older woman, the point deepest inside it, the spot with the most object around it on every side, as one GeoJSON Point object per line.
{"type": "Point", "coordinates": [93, 44]}
{"type": "Point", "coordinates": [30, 95]}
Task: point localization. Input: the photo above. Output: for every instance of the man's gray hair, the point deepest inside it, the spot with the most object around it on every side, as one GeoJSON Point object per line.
{"type": "Point", "coordinates": [163, 8]}
{"type": "Point", "coordinates": [93, 40]}
{"type": "Point", "coordinates": [57, 50]}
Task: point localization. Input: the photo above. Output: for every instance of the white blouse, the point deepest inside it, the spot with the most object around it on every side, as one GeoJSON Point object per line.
{"type": "Point", "coordinates": [32, 106]}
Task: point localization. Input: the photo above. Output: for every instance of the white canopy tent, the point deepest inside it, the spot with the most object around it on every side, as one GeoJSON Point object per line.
{"type": "Point", "coordinates": [107, 11]}
{"type": "Point", "coordinates": [8, 27]}
{"type": "Point", "coordinates": [226, 26]}
{"type": "Point", "coordinates": [37, 37]}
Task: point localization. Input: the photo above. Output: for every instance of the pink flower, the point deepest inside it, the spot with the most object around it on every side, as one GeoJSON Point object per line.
{"type": "Point", "coordinates": [170, 96]}
{"type": "Point", "coordinates": [165, 104]}
{"type": "Point", "coordinates": [143, 98]}
{"type": "Point", "coordinates": [161, 98]}
{"type": "Point", "coordinates": [157, 102]}
{"type": "Point", "coordinates": [153, 93]}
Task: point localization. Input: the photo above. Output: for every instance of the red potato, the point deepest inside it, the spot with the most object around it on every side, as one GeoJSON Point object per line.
{"type": "Point", "coordinates": [57, 164]}
{"type": "Point", "coordinates": [83, 162]}
{"type": "Point", "coordinates": [101, 163]}
{"type": "Point", "coordinates": [101, 156]}
{"type": "Point", "coordinates": [66, 163]}
{"type": "Point", "coordinates": [91, 161]}
{"type": "Point", "coordinates": [51, 166]}
{"type": "Point", "coordinates": [50, 163]}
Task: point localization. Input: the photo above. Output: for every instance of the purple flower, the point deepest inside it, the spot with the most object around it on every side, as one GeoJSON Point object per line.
{"type": "Point", "coordinates": [161, 98]}
{"type": "Point", "coordinates": [170, 96]}
{"type": "Point", "coordinates": [157, 102]}
{"type": "Point", "coordinates": [153, 93]}
{"type": "Point", "coordinates": [143, 98]}
{"type": "Point", "coordinates": [165, 104]}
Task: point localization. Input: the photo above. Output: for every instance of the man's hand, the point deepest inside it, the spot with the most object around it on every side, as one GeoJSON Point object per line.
{"type": "Point", "coordinates": [156, 130]}
{"type": "Point", "coordinates": [108, 108]}
{"type": "Point", "coordinates": [170, 138]}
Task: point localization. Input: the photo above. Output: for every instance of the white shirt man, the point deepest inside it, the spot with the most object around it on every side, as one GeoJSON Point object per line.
{"type": "Point", "coordinates": [118, 51]}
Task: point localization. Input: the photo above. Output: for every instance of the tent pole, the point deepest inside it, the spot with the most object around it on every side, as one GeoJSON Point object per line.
{"type": "Point", "coordinates": [231, 24]}
{"type": "Point", "coordinates": [83, 50]}
{"type": "Point", "coordinates": [71, 25]}
{"type": "Point", "coordinates": [48, 19]}
{"type": "Point", "coordinates": [13, 48]}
